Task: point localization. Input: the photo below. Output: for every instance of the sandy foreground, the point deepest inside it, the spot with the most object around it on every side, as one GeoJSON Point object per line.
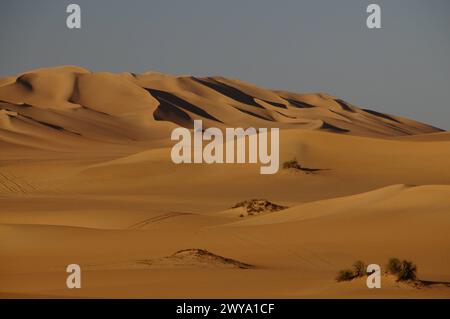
{"type": "Point", "coordinates": [86, 177]}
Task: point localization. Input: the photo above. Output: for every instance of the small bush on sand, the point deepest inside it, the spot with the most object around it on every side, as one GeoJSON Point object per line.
{"type": "Point", "coordinates": [345, 275]}
{"type": "Point", "coordinates": [394, 266]}
{"type": "Point", "coordinates": [405, 270]}
{"type": "Point", "coordinates": [292, 164]}
{"type": "Point", "coordinates": [359, 269]}
{"type": "Point", "coordinates": [408, 271]}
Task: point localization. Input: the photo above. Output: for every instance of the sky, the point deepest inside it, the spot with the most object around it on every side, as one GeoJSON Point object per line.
{"type": "Point", "coordinates": [301, 46]}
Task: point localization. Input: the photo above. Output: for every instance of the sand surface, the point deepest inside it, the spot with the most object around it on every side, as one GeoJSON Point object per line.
{"type": "Point", "coordinates": [86, 178]}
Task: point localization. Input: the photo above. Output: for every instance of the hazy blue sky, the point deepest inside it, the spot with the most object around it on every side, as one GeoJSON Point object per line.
{"type": "Point", "coordinates": [313, 45]}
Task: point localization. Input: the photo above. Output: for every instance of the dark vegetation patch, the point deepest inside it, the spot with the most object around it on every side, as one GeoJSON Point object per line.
{"type": "Point", "coordinates": [294, 165]}
{"type": "Point", "coordinates": [258, 206]}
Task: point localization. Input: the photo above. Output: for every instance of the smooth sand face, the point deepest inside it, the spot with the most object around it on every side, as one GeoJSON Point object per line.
{"type": "Point", "coordinates": [86, 177]}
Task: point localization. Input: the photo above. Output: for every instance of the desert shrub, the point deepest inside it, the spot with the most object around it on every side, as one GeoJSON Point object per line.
{"type": "Point", "coordinates": [394, 266]}
{"type": "Point", "coordinates": [408, 271]}
{"type": "Point", "coordinates": [258, 206]}
{"type": "Point", "coordinates": [292, 164]}
{"type": "Point", "coordinates": [359, 269]}
{"type": "Point", "coordinates": [345, 275]}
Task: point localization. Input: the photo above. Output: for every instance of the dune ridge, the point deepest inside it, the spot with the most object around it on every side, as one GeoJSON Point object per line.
{"type": "Point", "coordinates": [73, 103]}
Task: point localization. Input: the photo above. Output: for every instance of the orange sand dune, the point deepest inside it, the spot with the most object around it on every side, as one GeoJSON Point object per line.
{"type": "Point", "coordinates": [86, 177]}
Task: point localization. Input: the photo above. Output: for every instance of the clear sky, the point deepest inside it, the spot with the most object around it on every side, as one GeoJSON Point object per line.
{"type": "Point", "coordinates": [302, 46]}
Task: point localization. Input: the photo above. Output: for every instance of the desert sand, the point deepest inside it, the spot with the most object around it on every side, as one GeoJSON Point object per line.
{"type": "Point", "coordinates": [86, 178]}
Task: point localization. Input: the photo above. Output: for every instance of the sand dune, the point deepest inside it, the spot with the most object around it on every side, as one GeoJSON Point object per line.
{"type": "Point", "coordinates": [387, 202]}
{"type": "Point", "coordinates": [74, 104]}
{"type": "Point", "coordinates": [185, 258]}
{"type": "Point", "coordinates": [86, 177]}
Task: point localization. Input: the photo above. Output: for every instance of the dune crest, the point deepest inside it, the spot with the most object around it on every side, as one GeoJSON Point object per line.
{"type": "Point", "coordinates": [55, 104]}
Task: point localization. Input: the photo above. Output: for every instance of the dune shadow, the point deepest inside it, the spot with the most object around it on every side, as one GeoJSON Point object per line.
{"type": "Point", "coordinates": [382, 115]}
{"type": "Point", "coordinates": [49, 125]}
{"type": "Point", "coordinates": [21, 105]}
{"type": "Point", "coordinates": [172, 108]}
{"type": "Point", "coordinates": [331, 128]}
{"type": "Point", "coordinates": [254, 114]}
{"type": "Point", "coordinates": [431, 283]}
{"type": "Point", "coordinates": [299, 104]}
{"type": "Point", "coordinates": [24, 81]}
{"type": "Point", "coordinates": [171, 113]}
{"type": "Point", "coordinates": [228, 91]}
{"type": "Point", "coordinates": [287, 116]}
{"type": "Point", "coordinates": [345, 105]}
{"type": "Point", "coordinates": [276, 104]}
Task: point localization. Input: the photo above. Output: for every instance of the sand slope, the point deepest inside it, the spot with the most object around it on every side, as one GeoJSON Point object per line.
{"type": "Point", "coordinates": [86, 178]}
